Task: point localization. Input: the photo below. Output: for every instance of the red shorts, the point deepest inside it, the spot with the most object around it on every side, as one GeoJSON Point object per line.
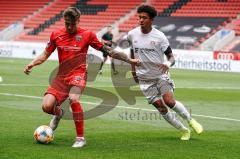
{"type": "Point", "coordinates": [60, 86]}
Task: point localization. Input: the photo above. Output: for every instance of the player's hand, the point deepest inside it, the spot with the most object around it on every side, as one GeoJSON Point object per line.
{"type": "Point", "coordinates": [165, 67]}
{"type": "Point", "coordinates": [28, 69]}
{"type": "Point", "coordinates": [109, 43]}
{"type": "Point", "coordinates": [135, 62]}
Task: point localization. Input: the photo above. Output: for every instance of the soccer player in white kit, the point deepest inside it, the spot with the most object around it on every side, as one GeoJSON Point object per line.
{"type": "Point", "coordinates": [149, 45]}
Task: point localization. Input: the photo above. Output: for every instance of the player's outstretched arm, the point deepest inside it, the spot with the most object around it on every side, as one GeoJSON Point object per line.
{"type": "Point", "coordinates": [120, 56]}
{"type": "Point", "coordinates": [37, 61]}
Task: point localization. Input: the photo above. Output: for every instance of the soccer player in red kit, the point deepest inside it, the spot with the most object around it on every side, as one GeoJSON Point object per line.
{"type": "Point", "coordinates": [72, 44]}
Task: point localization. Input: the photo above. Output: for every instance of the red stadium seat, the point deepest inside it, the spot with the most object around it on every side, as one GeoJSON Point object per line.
{"type": "Point", "coordinates": [209, 8]}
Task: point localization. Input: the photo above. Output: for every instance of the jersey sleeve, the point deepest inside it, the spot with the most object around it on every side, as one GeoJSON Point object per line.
{"type": "Point", "coordinates": [104, 36]}
{"type": "Point", "coordinates": [128, 37]}
{"type": "Point", "coordinates": [94, 42]}
{"type": "Point", "coordinates": [164, 43]}
{"type": "Point", "coordinates": [51, 45]}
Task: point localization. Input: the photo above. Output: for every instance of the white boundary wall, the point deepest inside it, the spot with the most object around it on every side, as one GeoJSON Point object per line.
{"type": "Point", "coordinates": [185, 59]}
{"type": "Point", "coordinates": [203, 60]}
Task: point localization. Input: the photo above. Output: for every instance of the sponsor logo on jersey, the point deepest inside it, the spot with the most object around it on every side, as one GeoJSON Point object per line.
{"type": "Point", "coordinates": [78, 37]}
{"type": "Point", "coordinates": [77, 78]}
{"type": "Point", "coordinates": [70, 48]}
{"type": "Point", "coordinates": [143, 50]}
{"type": "Point", "coordinates": [136, 50]}
{"type": "Point", "coordinates": [152, 43]}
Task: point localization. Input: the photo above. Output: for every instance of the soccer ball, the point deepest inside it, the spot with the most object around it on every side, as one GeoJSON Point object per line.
{"type": "Point", "coordinates": [43, 134]}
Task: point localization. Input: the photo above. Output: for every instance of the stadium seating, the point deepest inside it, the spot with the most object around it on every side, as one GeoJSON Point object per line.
{"type": "Point", "coordinates": [129, 24]}
{"type": "Point", "coordinates": [133, 20]}
{"type": "Point", "coordinates": [236, 48]}
{"type": "Point", "coordinates": [236, 28]}
{"type": "Point", "coordinates": [45, 15]}
{"type": "Point", "coordinates": [47, 12]}
{"type": "Point", "coordinates": [163, 5]}
{"type": "Point", "coordinates": [209, 8]}
{"type": "Point", "coordinates": [10, 12]}
{"type": "Point", "coordinates": [211, 14]}
{"type": "Point", "coordinates": [96, 14]}
{"type": "Point", "coordinates": [41, 17]}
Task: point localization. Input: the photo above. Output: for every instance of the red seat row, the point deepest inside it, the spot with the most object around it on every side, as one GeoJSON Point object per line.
{"type": "Point", "coordinates": [115, 10]}
{"type": "Point", "coordinates": [16, 10]}
{"type": "Point", "coordinates": [209, 8]}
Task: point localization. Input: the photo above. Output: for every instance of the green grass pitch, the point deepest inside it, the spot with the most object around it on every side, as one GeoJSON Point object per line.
{"type": "Point", "coordinates": [128, 130]}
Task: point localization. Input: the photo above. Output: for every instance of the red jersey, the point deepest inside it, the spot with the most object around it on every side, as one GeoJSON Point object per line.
{"type": "Point", "coordinates": [72, 49]}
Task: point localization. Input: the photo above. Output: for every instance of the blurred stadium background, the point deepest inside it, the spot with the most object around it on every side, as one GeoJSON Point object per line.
{"type": "Point", "coordinates": [205, 37]}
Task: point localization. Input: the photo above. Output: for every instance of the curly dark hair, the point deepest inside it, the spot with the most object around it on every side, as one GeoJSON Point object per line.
{"type": "Point", "coordinates": [151, 11]}
{"type": "Point", "coordinates": [72, 12]}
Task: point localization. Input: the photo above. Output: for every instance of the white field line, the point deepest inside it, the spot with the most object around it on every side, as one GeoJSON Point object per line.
{"type": "Point", "coordinates": [107, 86]}
{"type": "Point", "coordinates": [20, 95]}
{"type": "Point", "coordinates": [22, 85]}
{"type": "Point", "coordinates": [124, 107]}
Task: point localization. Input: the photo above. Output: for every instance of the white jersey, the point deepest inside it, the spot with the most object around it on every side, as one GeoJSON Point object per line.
{"type": "Point", "coordinates": [149, 49]}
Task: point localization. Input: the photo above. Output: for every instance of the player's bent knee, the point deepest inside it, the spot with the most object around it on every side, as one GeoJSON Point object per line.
{"type": "Point", "coordinates": [47, 108]}
{"type": "Point", "coordinates": [163, 110]}
{"type": "Point", "coordinates": [73, 99]}
{"type": "Point", "coordinates": [170, 103]}
{"type": "Point", "coordinates": [169, 99]}
{"type": "Point", "coordinates": [160, 107]}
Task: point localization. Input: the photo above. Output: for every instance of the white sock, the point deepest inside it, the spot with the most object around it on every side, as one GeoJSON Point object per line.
{"type": "Point", "coordinates": [80, 138]}
{"type": "Point", "coordinates": [182, 111]}
{"type": "Point", "coordinates": [172, 119]}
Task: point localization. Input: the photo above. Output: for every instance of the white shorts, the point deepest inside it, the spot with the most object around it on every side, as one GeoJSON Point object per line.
{"type": "Point", "coordinates": [154, 89]}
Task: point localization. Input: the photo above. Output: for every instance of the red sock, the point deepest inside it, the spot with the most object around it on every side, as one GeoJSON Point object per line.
{"type": "Point", "coordinates": [78, 118]}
